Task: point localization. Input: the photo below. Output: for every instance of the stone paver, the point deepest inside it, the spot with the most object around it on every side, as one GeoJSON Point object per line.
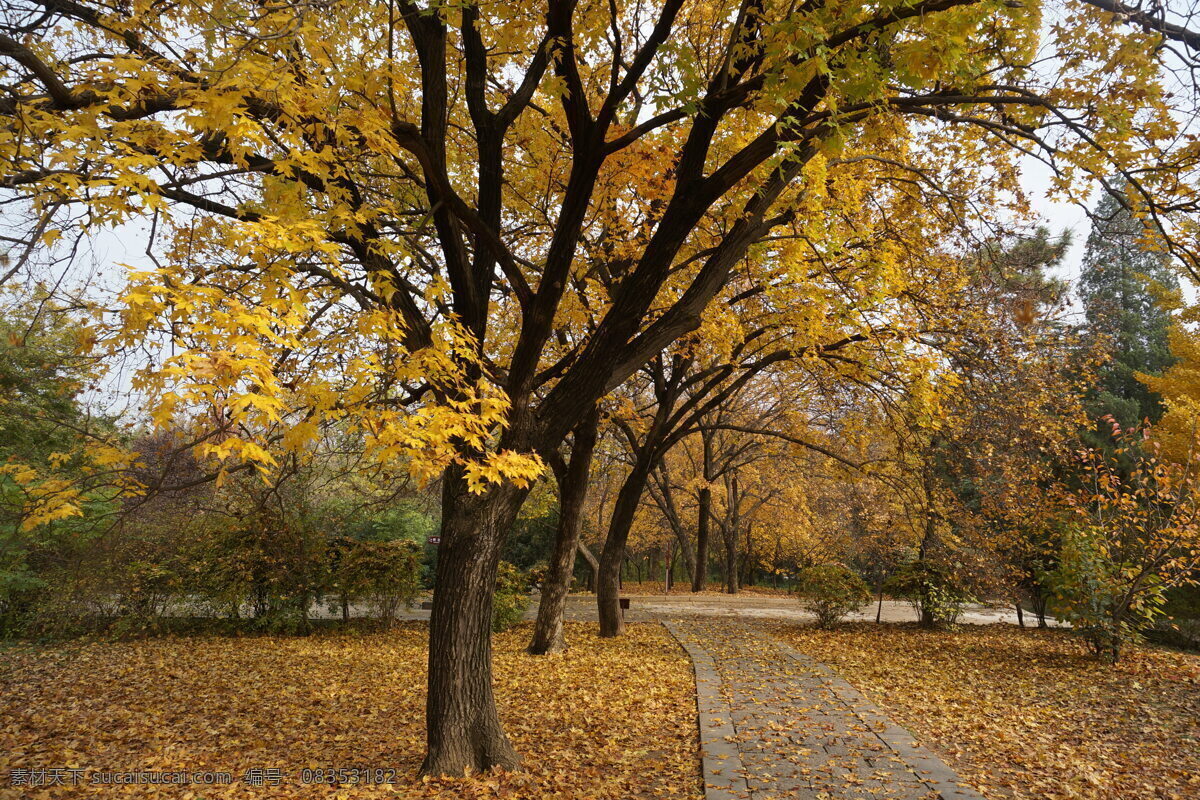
{"type": "Point", "coordinates": [788, 727]}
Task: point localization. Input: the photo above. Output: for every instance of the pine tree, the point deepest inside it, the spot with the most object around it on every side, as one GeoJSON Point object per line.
{"type": "Point", "coordinates": [1121, 285]}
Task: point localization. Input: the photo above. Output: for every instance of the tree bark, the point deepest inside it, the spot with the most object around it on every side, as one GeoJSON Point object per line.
{"type": "Point", "coordinates": [572, 491]}
{"type": "Point", "coordinates": [665, 500]}
{"type": "Point", "coordinates": [608, 580]}
{"type": "Point", "coordinates": [731, 573]}
{"type": "Point", "coordinates": [730, 533]}
{"type": "Point", "coordinates": [668, 566]}
{"type": "Point", "coordinates": [462, 724]}
{"type": "Point", "coordinates": [1039, 608]}
{"type": "Point", "coordinates": [700, 577]}
{"type": "Point", "coordinates": [593, 563]}
{"type": "Point", "coordinates": [747, 558]}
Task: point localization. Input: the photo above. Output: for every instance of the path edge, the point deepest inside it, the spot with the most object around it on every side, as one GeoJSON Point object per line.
{"type": "Point", "coordinates": [722, 771]}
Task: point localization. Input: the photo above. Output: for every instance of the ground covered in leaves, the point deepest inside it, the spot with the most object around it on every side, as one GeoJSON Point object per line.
{"type": "Point", "coordinates": [611, 718]}
{"type": "Point", "coordinates": [1027, 714]}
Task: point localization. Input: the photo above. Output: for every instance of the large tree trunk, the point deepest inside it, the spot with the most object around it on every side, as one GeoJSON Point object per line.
{"type": "Point", "coordinates": [700, 577]}
{"type": "Point", "coordinates": [572, 491]}
{"type": "Point", "coordinates": [608, 581]}
{"type": "Point", "coordinates": [462, 725]}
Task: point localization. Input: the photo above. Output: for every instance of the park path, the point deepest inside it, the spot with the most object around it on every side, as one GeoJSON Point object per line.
{"type": "Point", "coordinates": [777, 724]}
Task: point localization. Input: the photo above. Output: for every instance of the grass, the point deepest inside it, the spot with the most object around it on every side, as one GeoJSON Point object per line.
{"type": "Point", "coordinates": [588, 722]}
{"type": "Point", "coordinates": [1026, 713]}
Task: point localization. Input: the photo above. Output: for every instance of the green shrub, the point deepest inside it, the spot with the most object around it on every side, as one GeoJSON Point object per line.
{"type": "Point", "coordinates": [933, 589]}
{"type": "Point", "coordinates": [1092, 592]}
{"type": "Point", "coordinates": [831, 591]}
{"type": "Point", "coordinates": [511, 599]}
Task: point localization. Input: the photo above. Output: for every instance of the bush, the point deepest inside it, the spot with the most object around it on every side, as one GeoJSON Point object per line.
{"type": "Point", "coordinates": [1091, 589]}
{"type": "Point", "coordinates": [934, 591]}
{"type": "Point", "coordinates": [831, 591]}
{"type": "Point", "coordinates": [384, 574]}
{"type": "Point", "coordinates": [511, 599]}
{"type": "Point", "coordinates": [269, 567]}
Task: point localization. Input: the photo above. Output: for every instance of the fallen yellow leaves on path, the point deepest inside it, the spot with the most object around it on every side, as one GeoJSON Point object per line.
{"type": "Point", "coordinates": [1025, 713]}
{"type": "Point", "coordinates": [610, 718]}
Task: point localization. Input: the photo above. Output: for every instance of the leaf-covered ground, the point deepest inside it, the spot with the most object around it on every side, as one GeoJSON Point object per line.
{"type": "Point", "coordinates": [1027, 714]}
{"type": "Point", "coordinates": [611, 718]}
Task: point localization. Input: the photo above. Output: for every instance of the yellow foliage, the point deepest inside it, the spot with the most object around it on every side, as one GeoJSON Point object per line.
{"type": "Point", "coordinates": [1178, 432]}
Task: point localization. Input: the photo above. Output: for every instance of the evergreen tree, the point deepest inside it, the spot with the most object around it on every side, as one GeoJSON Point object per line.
{"type": "Point", "coordinates": [1121, 284]}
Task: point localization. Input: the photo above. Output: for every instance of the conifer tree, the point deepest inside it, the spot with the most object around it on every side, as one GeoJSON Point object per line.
{"type": "Point", "coordinates": [1122, 285]}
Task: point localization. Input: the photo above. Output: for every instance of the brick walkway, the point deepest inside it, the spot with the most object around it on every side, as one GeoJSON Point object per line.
{"type": "Point", "coordinates": [776, 724]}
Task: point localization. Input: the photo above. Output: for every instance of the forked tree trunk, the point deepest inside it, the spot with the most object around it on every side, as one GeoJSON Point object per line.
{"type": "Point", "coordinates": [593, 565]}
{"type": "Point", "coordinates": [608, 579]}
{"type": "Point", "coordinates": [572, 491]}
{"type": "Point", "coordinates": [700, 577]}
{"type": "Point", "coordinates": [462, 725]}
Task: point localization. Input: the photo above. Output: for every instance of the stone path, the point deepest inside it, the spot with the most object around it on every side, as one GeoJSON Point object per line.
{"type": "Point", "coordinates": [776, 724]}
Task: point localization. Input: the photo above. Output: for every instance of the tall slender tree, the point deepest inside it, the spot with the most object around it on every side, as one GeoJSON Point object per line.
{"type": "Point", "coordinates": [1126, 278]}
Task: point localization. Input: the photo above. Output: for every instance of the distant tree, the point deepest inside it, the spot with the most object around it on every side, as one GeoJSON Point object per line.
{"type": "Point", "coordinates": [1125, 277]}
{"type": "Point", "coordinates": [1015, 418]}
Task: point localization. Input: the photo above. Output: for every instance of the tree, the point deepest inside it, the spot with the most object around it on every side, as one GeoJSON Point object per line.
{"type": "Point", "coordinates": [1127, 289]}
{"type": "Point", "coordinates": [392, 213]}
{"type": "Point", "coordinates": [1135, 535]}
{"type": "Point", "coordinates": [58, 460]}
{"type": "Point", "coordinates": [1014, 420]}
{"type": "Point", "coordinates": [572, 476]}
{"type": "Point", "coordinates": [1179, 389]}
